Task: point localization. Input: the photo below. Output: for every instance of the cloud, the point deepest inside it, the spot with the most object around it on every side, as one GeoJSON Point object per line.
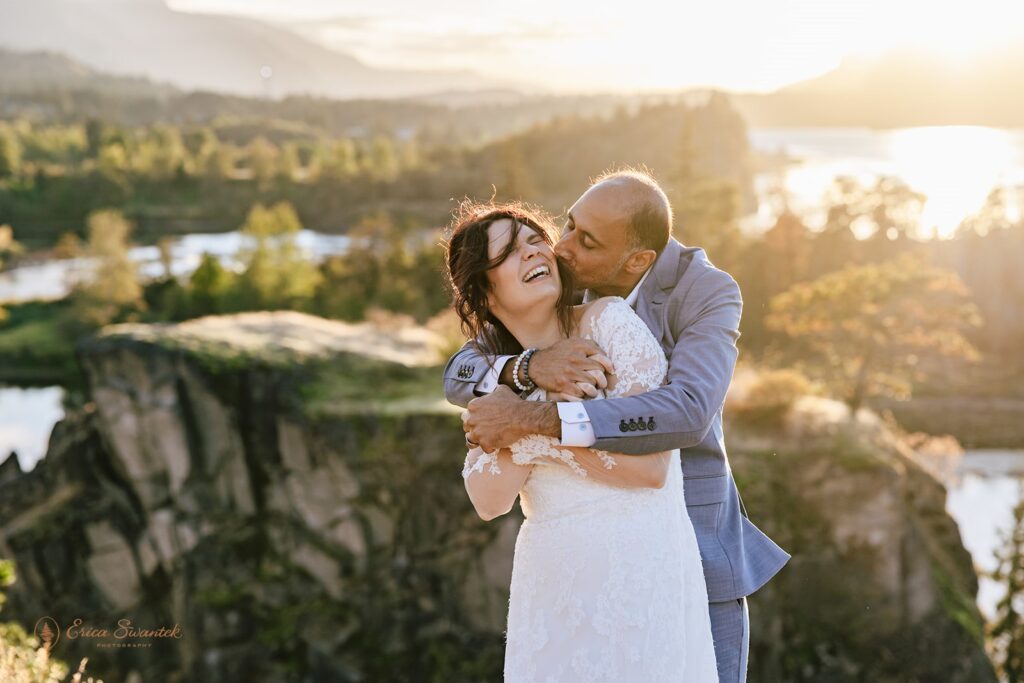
{"type": "Point", "coordinates": [433, 37]}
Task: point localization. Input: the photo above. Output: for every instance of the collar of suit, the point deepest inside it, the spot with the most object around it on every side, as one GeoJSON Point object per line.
{"type": "Point", "coordinates": [662, 277]}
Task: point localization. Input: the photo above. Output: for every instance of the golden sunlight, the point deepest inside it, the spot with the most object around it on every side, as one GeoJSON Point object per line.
{"type": "Point", "coordinates": [954, 166]}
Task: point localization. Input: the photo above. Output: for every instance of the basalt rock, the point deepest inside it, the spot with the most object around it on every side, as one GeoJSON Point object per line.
{"type": "Point", "coordinates": [286, 491]}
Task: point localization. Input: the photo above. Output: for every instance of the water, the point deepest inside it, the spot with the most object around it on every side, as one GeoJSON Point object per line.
{"type": "Point", "coordinates": [52, 279]}
{"type": "Point", "coordinates": [27, 416]}
{"type": "Point", "coordinates": [956, 167]}
{"type": "Point", "coordinates": [982, 501]}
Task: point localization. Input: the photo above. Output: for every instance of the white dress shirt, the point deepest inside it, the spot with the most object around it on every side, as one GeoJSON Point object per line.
{"type": "Point", "coordinates": [576, 427]}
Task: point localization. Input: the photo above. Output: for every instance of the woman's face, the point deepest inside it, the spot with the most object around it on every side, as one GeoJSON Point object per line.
{"type": "Point", "coordinates": [527, 278]}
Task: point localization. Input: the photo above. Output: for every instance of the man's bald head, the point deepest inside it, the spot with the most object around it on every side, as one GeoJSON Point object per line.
{"type": "Point", "coordinates": [644, 204]}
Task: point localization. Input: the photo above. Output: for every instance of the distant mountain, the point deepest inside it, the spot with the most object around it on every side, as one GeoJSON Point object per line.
{"type": "Point", "coordinates": [28, 72]}
{"type": "Point", "coordinates": [207, 52]}
{"type": "Point", "coordinates": [50, 87]}
{"type": "Point", "coordinates": [900, 89]}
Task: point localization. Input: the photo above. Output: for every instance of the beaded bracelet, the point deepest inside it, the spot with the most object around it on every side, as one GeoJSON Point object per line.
{"type": "Point", "coordinates": [515, 371]}
{"type": "Point", "coordinates": [526, 369]}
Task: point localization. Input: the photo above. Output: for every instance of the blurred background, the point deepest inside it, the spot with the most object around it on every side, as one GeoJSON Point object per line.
{"type": "Point", "coordinates": [222, 317]}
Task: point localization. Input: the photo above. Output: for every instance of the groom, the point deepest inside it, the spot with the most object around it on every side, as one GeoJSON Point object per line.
{"type": "Point", "coordinates": [617, 241]}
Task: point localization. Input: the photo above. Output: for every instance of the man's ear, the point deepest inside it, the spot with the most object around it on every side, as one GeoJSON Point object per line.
{"type": "Point", "coordinates": [641, 260]}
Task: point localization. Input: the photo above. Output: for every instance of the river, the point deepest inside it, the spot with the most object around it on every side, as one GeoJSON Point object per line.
{"type": "Point", "coordinates": [955, 167]}
{"type": "Point", "coordinates": [987, 487]}
{"type": "Point", "coordinates": [51, 279]}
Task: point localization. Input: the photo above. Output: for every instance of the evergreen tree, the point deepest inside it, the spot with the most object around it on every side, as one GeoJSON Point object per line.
{"type": "Point", "coordinates": [263, 156]}
{"type": "Point", "coordinates": [1007, 631]}
{"type": "Point", "coordinates": [208, 284]}
{"type": "Point", "coordinates": [865, 330]}
{"type": "Point", "coordinates": [10, 153]}
{"type": "Point", "coordinates": [112, 290]}
{"type": "Point", "coordinates": [94, 132]}
{"type": "Point", "coordinates": [706, 209]}
{"type": "Point", "coordinates": [277, 274]}
{"type": "Point", "coordinates": [517, 182]}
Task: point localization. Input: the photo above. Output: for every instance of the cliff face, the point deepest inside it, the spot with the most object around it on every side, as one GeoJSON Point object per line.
{"type": "Point", "coordinates": [880, 586]}
{"type": "Point", "coordinates": [196, 489]}
{"type": "Point", "coordinates": [232, 476]}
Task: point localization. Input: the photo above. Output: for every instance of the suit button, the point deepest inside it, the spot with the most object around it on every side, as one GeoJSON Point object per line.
{"type": "Point", "coordinates": [651, 425]}
{"type": "Point", "coordinates": [623, 427]}
{"type": "Point", "coordinates": [632, 425]}
{"type": "Point", "coordinates": [641, 425]}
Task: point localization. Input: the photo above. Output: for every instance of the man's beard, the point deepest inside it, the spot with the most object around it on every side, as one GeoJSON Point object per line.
{"type": "Point", "coordinates": [603, 280]}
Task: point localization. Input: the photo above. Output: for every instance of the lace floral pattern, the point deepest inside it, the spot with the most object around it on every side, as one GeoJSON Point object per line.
{"type": "Point", "coordinates": [477, 459]}
{"type": "Point", "coordinates": [607, 583]}
{"type": "Point", "coordinates": [640, 365]}
{"type": "Point", "coordinates": [534, 448]}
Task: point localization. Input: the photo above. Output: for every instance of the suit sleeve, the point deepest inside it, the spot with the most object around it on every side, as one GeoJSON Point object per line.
{"type": "Point", "coordinates": [700, 369]}
{"type": "Point", "coordinates": [467, 367]}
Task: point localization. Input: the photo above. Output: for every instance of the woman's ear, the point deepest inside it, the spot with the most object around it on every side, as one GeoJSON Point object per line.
{"type": "Point", "coordinates": [641, 260]}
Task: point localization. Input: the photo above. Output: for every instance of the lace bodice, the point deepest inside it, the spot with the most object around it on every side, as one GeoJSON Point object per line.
{"type": "Point", "coordinates": [557, 484]}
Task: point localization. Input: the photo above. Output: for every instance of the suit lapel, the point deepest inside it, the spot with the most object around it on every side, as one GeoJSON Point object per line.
{"type": "Point", "coordinates": [650, 303]}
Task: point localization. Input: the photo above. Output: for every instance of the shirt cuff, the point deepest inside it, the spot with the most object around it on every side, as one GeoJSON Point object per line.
{"type": "Point", "coordinates": [489, 382]}
{"type": "Point", "coordinates": [576, 427]}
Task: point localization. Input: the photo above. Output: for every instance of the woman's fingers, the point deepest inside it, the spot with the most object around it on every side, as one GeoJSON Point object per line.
{"type": "Point", "coordinates": [604, 361]}
{"type": "Point", "coordinates": [600, 380]}
{"type": "Point", "coordinates": [572, 391]}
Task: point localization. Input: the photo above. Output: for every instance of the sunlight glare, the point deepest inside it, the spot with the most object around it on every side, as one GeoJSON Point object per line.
{"type": "Point", "coordinates": [954, 166]}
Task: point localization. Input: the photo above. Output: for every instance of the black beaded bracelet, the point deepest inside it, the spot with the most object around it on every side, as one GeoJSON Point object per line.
{"type": "Point", "coordinates": [530, 384]}
{"type": "Point", "coordinates": [515, 371]}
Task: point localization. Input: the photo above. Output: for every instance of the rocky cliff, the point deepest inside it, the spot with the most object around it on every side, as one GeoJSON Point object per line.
{"type": "Point", "coordinates": [286, 490]}
{"type": "Point", "coordinates": [880, 586]}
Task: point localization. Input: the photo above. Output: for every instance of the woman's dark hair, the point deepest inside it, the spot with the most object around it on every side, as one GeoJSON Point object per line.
{"type": "Point", "coordinates": [467, 265]}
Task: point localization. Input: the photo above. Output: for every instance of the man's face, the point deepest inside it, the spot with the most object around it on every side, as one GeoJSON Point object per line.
{"type": "Point", "coordinates": [594, 243]}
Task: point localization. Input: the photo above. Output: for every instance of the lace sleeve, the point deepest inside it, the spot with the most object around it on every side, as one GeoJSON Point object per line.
{"type": "Point", "coordinates": [536, 447]}
{"type": "Point", "coordinates": [640, 364]}
{"type": "Point", "coordinates": [478, 460]}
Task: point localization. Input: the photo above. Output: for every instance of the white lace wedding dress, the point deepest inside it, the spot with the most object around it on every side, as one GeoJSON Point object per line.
{"type": "Point", "coordinates": [607, 583]}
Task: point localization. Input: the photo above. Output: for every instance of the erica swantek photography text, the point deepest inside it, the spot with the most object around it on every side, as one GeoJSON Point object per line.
{"type": "Point", "coordinates": [126, 633]}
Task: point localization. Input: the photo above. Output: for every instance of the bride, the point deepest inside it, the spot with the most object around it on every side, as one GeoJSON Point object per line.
{"type": "Point", "coordinates": [607, 582]}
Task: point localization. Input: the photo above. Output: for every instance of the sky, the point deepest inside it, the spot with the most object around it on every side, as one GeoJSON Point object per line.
{"type": "Point", "coordinates": [747, 45]}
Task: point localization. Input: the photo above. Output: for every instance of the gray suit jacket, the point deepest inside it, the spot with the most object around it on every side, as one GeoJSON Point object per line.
{"type": "Point", "coordinates": [694, 310]}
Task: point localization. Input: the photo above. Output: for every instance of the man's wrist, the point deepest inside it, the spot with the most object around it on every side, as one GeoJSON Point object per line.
{"type": "Point", "coordinates": [543, 419]}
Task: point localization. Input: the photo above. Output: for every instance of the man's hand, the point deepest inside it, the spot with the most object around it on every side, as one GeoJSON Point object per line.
{"type": "Point", "coordinates": [501, 418]}
{"type": "Point", "coordinates": [571, 368]}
